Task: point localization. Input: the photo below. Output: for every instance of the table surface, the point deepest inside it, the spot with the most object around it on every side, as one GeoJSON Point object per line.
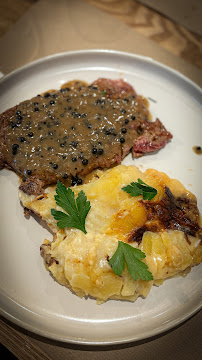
{"type": "Point", "coordinates": [187, 46]}
{"type": "Point", "coordinates": [146, 21]}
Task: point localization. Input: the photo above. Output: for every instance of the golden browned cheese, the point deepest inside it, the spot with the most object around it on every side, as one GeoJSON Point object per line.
{"type": "Point", "coordinates": [81, 261]}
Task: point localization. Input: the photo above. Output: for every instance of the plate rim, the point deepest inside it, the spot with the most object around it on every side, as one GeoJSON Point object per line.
{"type": "Point", "coordinates": [171, 324]}
{"type": "Point", "coordinates": [48, 335]}
{"type": "Point", "coordinates": [147, 59]}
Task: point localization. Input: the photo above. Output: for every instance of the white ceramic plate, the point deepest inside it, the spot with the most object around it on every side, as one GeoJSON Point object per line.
{"type": "Point", "coordinates": [29, 295]}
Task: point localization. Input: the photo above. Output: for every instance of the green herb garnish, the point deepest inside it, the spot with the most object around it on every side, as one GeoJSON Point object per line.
{"type": "Point", "coordinates": [132, 257]}
{"type": "Point", "coordinates": [76, 210]}
{"type": "Point", "coordinates": [140, 188]}
{"type": "Point", "coordinates": [104, 92]}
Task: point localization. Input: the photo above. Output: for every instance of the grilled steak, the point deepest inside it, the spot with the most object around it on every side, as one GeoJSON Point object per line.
{"type": "Point", "coordinates": [66, 134]}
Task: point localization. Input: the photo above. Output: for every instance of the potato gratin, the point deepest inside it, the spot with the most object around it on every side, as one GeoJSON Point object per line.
{"type": "Point", "coordinates": [165, 228]}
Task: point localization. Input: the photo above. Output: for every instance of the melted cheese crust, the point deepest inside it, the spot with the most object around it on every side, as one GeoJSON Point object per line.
{"type": "Point", "coordinates": [80, 261]}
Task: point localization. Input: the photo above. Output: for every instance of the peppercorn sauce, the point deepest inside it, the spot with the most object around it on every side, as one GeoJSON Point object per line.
{"type": "Point", "coordinates": [63, 133]}
{"type": "Point", "coordinates": [197, 150]}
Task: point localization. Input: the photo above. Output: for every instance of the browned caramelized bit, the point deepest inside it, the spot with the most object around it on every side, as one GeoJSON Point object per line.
{"type": "Point", "coordinates": [175, 213]}
{"type": "Point", "coordinates": [45, 253]}
{"type": "Point", "coordinates": [170, 213]}
{"type": "Point", "coordinates": [137, 235]}
{"type": "Point", "coordinates": [32, 186]}
{"type": "Point", "coordinates": [27, 212]}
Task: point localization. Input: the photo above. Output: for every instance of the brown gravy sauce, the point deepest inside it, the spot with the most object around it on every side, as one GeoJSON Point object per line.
{"type": "Point", "coordinates": [61, 131]}
{"type": "Point", "coordinates": [197, 150]}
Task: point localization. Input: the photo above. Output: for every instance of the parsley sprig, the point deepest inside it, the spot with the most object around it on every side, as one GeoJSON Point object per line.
{"type": "Point", "coordinates": [140, 188]}
{"type": "Point", "coordinates": [126, 253]}
{"type": "Point", "coordinates": [76, 210]}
